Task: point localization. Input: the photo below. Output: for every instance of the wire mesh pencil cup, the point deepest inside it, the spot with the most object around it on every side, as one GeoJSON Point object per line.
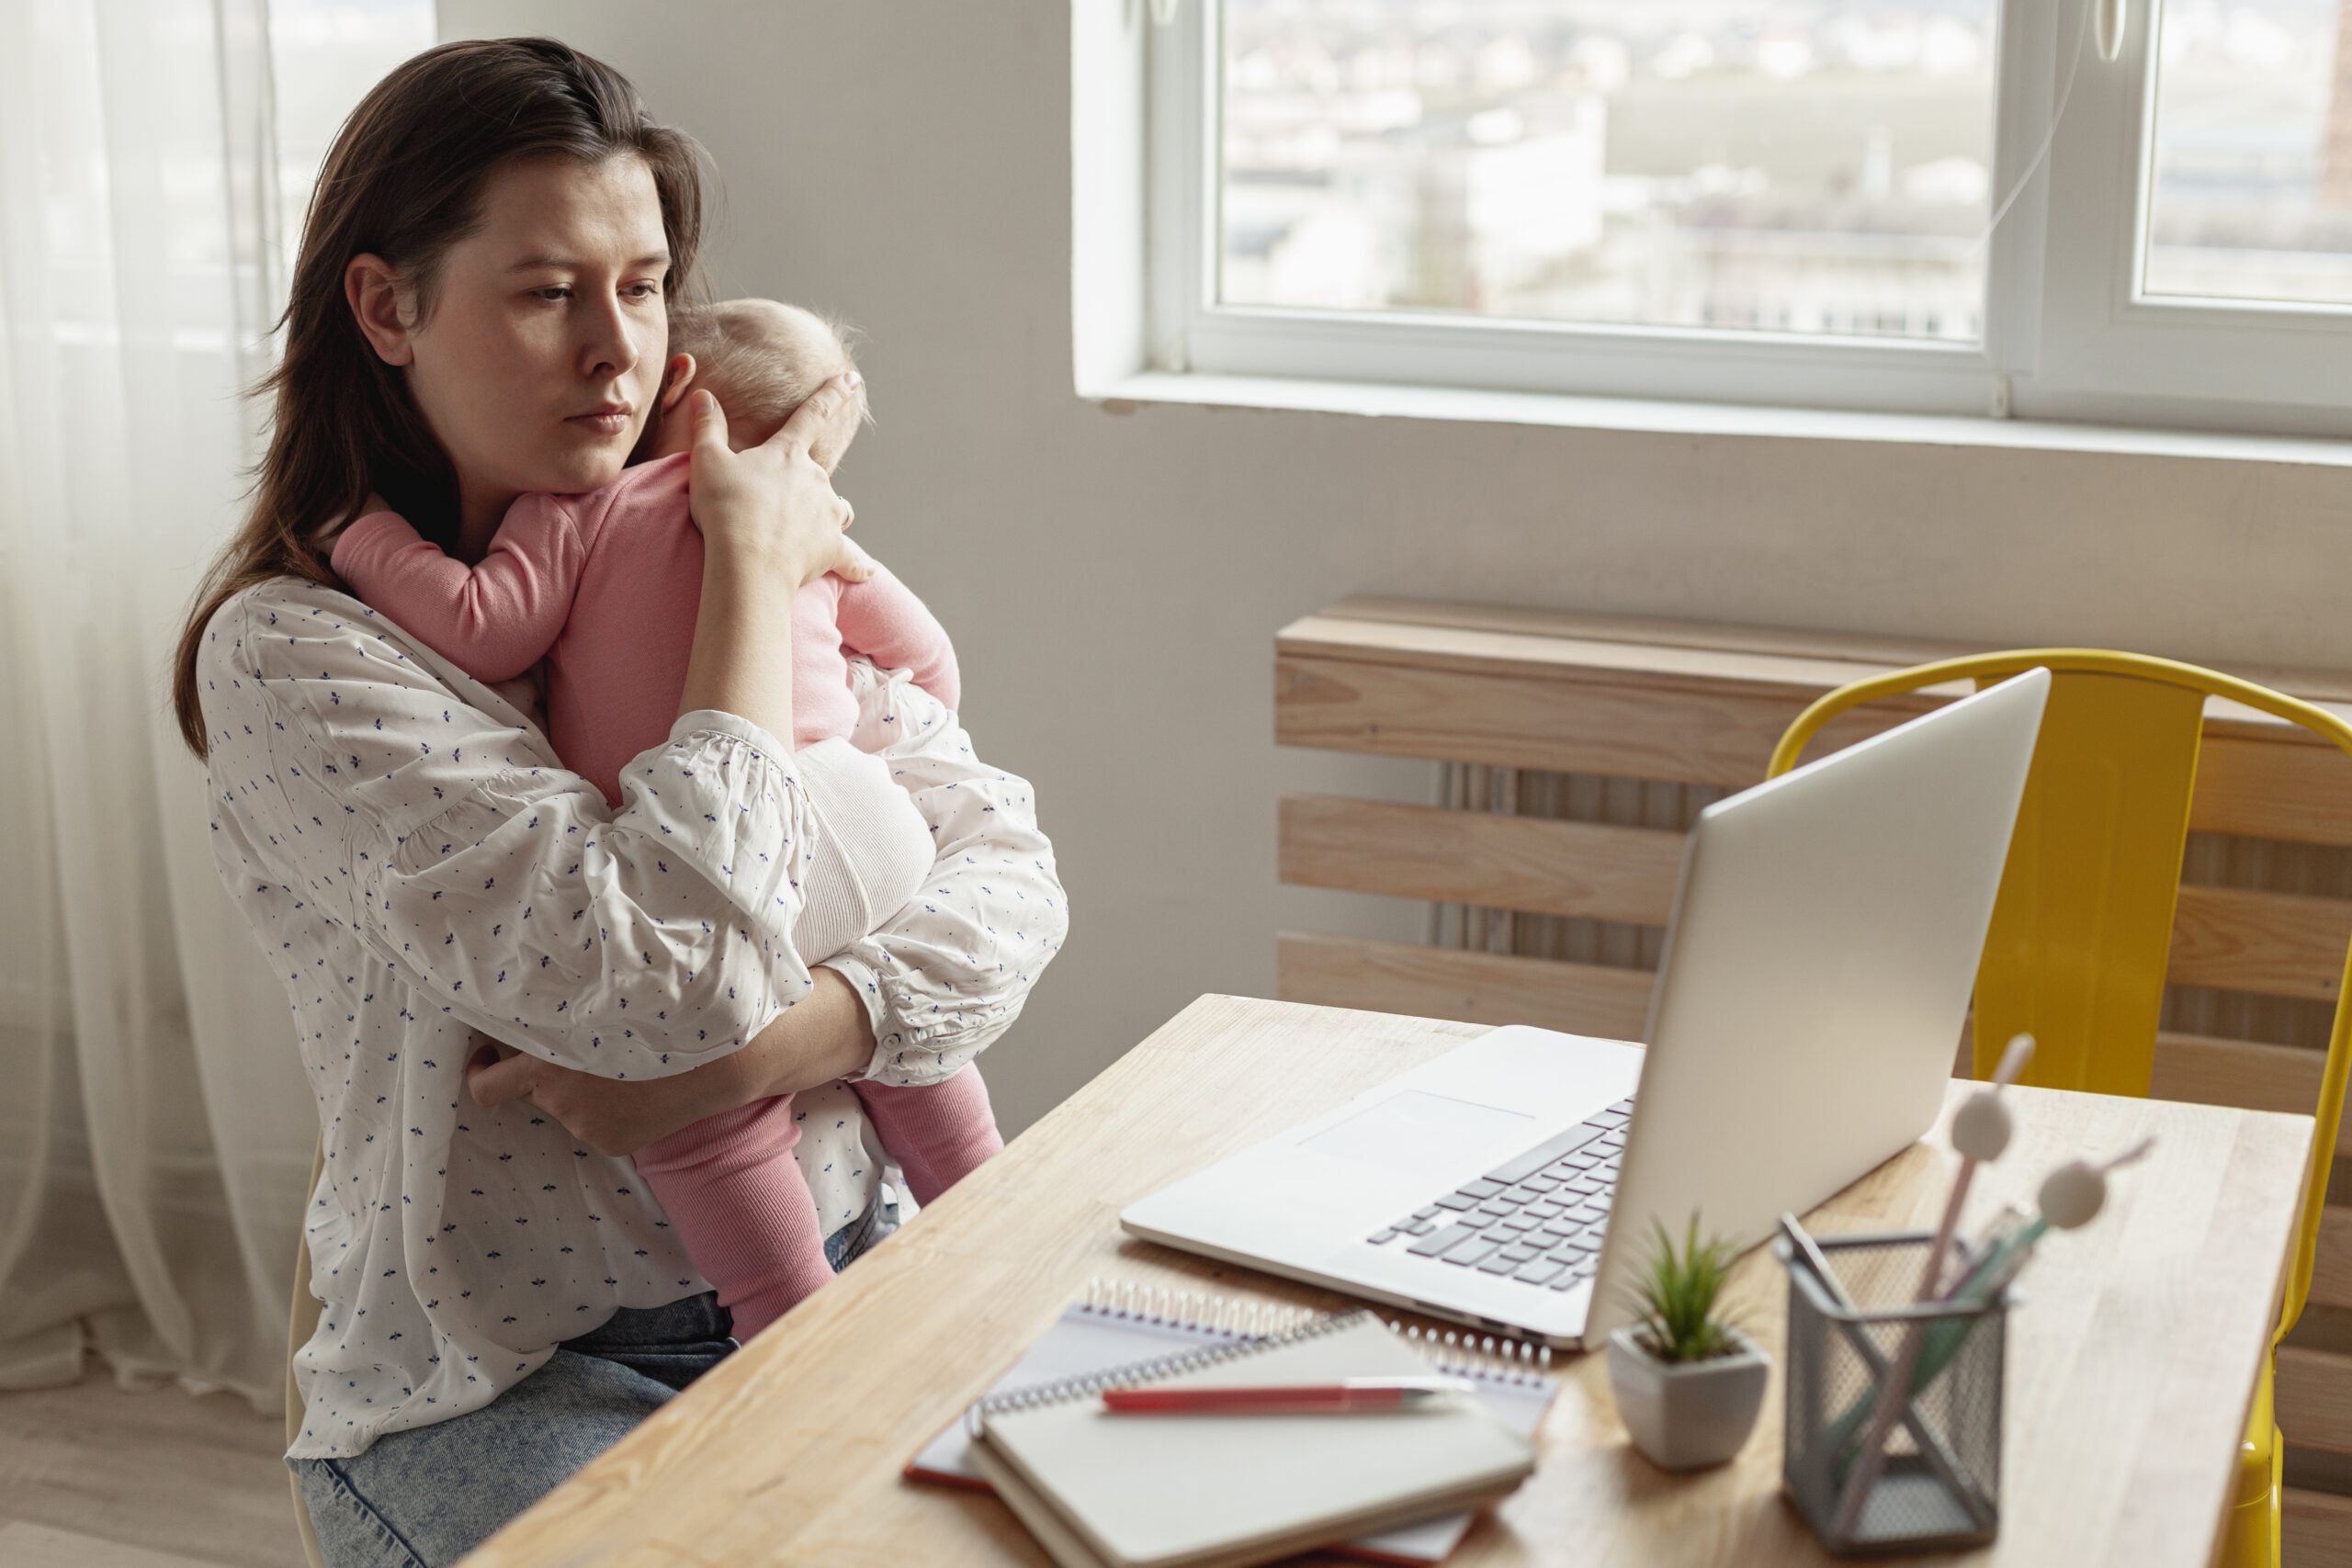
{"type": "Point", "coordinates": [1940, 1488]}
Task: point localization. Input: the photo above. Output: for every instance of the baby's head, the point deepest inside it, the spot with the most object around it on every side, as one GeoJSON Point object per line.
{"type": "Point", "coordinates": [761, 360]}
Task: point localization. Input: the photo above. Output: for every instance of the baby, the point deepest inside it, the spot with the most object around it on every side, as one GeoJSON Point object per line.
{"type": "Point", "coordinates": [604, 586]}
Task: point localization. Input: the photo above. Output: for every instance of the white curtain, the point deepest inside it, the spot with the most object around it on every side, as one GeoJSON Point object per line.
{"type": "Point", "coordinates": [155, 1130]}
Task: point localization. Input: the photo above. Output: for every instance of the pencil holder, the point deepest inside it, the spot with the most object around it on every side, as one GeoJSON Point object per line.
{"type": "Point", "coordinates": [1940, 1486]}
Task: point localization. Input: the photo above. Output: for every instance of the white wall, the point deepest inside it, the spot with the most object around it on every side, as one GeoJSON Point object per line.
{"type": "Point", "coordinates": [1115, 582]}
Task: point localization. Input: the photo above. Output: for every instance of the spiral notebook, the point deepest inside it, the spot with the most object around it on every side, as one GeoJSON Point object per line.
{"type": "Point", "coordinates": [1227, 1490]}
{"type": "Point", "coordinates": [1119, 1322]}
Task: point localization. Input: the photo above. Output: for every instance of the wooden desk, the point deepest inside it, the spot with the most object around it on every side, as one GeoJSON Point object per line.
{"type": "Point", "coordinates": [2130, 1366]}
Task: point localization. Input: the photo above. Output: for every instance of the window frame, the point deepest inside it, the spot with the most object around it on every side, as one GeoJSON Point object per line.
{"type": "Point", "coordinates": [2102, 335]}
{"type": "Point", "coordinates": [2069, 334]}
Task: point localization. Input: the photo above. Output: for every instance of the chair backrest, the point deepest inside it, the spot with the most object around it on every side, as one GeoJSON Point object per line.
{"type": "Point", "coordinates": [2082, 930]}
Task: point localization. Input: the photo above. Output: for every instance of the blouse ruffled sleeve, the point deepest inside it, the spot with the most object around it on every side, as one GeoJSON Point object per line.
{"type": "Point", "coordinates": [947, 975]}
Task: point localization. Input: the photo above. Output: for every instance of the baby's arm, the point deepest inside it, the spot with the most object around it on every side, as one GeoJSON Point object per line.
{"type": "Point", "coordinates": [882, 619]}
{"type": "Point", "coordinates": [493, 621]}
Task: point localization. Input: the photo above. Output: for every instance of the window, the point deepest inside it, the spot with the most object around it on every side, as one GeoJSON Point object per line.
{"type": "Point", "coordinates": [1717, 165]}
{"type": "Point", "coordinates": [1934, 206]}
{"type": "Point", "coordinates": [2252, 197]}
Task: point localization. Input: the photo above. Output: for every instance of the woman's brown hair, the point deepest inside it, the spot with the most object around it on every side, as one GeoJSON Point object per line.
{"type": "Point", "coordinates": [403, 180]}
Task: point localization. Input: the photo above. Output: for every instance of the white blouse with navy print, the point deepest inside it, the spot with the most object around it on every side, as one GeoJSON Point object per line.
{"type": "Point", "coordinates": [417, 865]}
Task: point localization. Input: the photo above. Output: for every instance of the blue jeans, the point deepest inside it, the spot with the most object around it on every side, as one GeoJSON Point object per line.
{"type": "Point", "coordinates": [425, 1497]}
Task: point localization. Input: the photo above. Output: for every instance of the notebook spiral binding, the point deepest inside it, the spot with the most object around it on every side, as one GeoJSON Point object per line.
{"type": "Point", "coordinates": [1235, 1317]}
{"type": "Point", "coordinates": [1248, 1325]}
{"type": "Point", "coordinates": [1505, 1359]}
{"type": "Point", "coordinates": [1164, 1367]}
{"type": "Point", "coordinates": [1502, 1361]}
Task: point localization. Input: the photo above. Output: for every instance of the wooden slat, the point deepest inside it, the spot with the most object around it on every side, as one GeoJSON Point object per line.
{"type": "Point", "coordinates": [1472, 987]}
{"type": "Point", "coordinates": [2315, 1530]}
{"type": "Point", "coordinates": [1497, 639]}
{"type": "Point", "coordinates": [1482, 652]}
{"type": "Point", "coordinates": [1490, 680]}
{"type": "Point", "coordinates": [2314, 1392]}
{"type": "Point", "coordinates": [2265, 789]}
{"type": "Point", "coordinates": [2280, 945]}
{"type": "Point", "coordinates": [1631, 724]}
{"type": "Point", "coordinates": [2233, 939]}
{"type": "Point", "coordinates": [2327, 687]}
{"type": "Point", "coordinates": [2331, 1269]}
{"type": "Point", "coordinates": [1528, 863]}
{"type": "Point", "coordinates": [1470, 717]}
{"type": "Point", "coordinates": [2203, 1070]}
{"type": "Point", "coordinates": [1891, 653]}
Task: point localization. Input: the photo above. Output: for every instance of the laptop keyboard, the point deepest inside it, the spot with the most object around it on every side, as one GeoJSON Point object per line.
{"type": "Point", "coordinates": [1537, 1219]}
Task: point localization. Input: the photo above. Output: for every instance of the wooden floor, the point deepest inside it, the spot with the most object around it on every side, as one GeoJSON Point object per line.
{"type": "Point", "coordinates": [95, 1477]}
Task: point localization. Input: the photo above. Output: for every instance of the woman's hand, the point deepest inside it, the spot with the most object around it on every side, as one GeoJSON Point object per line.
{"type": "Point", "coordinates": [828, 1036]}
{"type": "Point", "coordinates": [771, 509]}
{"type": "Point", "coordinates": [611, 1116]}
{"type": "Point", "coordinates": [770, 522]}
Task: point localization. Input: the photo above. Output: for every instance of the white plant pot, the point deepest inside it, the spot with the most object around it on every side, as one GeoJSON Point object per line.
{"type": "Point", "coordinates": [1687, 1415]}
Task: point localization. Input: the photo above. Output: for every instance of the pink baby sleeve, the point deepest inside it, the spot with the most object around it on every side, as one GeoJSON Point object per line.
{"type": "Point", "coordinates": [495, 620]}
{"type": "Point", "coordinates": [882, 619]}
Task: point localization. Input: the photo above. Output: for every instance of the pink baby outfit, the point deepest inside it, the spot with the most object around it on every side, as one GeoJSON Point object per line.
{"type": "Point", "coordinates": [604, 587]}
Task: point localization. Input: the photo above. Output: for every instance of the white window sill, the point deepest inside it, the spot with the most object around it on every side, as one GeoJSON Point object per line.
{"type": "Point", "coordinates": [1123, 394]}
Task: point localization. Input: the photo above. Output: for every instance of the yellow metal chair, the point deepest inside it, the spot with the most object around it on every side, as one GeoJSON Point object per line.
{"type": "Point", "coordinates": [2082, 928]}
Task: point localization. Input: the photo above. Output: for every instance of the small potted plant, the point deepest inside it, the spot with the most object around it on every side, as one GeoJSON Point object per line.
{"type": "Point", "coordinates": [1688, 1383]}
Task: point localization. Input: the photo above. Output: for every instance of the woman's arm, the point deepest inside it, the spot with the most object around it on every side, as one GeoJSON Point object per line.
{"type": "Point", "coordinates": [823, 1038]}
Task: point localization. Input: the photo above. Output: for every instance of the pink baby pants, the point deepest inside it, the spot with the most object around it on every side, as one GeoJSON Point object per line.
{"type": "Point", "coordinates": [729, 1185]}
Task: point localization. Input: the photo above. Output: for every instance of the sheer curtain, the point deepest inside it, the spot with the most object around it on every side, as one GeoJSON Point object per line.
{"type": "Point", "coordinates": [155, 1130]}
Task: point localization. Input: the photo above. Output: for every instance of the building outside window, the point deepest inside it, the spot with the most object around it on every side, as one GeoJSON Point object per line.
{"type": "Point", "coordinates": [1920, 204]}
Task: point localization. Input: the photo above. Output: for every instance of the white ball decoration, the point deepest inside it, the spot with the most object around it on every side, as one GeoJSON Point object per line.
{"type": "Point", "coordinates": [2073, 1195]}
{"type": "Point", "coordinates": [1980, 1127]}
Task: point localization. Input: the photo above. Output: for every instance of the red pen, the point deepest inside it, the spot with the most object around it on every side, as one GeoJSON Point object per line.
{"type": "Point", "coordinates": [1344, 1397]}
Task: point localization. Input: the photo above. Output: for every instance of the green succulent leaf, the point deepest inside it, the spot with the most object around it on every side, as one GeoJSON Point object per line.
{"type": "Point", "coordinates": [1675, 1296]}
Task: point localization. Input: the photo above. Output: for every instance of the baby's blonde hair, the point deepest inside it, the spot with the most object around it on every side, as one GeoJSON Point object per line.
{"type": "Point", "coordinates": [761, 358]}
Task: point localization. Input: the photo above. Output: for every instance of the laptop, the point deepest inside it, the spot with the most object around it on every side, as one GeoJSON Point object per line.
{"type": "Point", "coordinates": [1818, 964]}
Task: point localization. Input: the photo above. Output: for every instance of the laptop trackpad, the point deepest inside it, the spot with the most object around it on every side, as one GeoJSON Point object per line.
{"type": "Point", "coordinates": [1414, 1130]}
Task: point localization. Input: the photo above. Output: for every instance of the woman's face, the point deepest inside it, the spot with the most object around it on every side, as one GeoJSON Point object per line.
{"type": "Point", "coordinates": [540, 354]}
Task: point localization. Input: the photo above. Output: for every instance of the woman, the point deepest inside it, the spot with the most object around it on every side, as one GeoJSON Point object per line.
{"type": "Point", "coordinates": [477, 312]}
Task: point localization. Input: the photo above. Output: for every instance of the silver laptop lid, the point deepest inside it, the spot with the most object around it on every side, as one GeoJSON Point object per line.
{"type": "Point", "coordinates": [1825, 939]}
